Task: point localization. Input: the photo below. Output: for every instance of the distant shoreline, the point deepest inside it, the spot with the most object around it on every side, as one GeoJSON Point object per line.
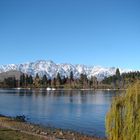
{"type": "Point", "coordinates": [64, 89]}
{"type": "Point", "coordinates": [41, 131]}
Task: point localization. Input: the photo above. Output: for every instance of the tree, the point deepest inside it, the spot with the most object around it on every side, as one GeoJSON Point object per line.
{"type": "Point", "coordinates": [63, 80]}
{"type": "Point", "coordinates": [118, 73]}
{"type": "Point", "coordinates": [83, 81]}
{"type": "Point", "coordinates": [53, 82]}
{"type": "Point", "coordinates": [118, 78]}
{"type": "Point", "coordinates": [123, 118]}
{"type": "Point", "coordinates": [22, 80]}
{"type": "Point", "coordinates": [71, 79]}
{"type": "Point", "coordinates": [58, 79]}
{"type": "Point", "coordinates": [71, 76]}
{"type": "Point", "coordinates": [44, 81]}
{"type": "Point", "coordinates": [94, 82]}
{"type": "Point", "coordinates": [30, 80]}
{"type": "Point", "coordinates": [49, 82]}
{"type": "Point", "coordinates": [26, 80]}
{"type": "Point", "coordinates": [10, 82]}
{"type": "Point", "coordinates": [37, 81]}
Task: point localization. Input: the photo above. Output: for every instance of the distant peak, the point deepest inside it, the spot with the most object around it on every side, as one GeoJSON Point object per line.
{"type": "Point", "coordinates": [44, 61]}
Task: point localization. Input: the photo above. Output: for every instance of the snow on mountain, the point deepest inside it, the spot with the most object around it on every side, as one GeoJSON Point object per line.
{"type": "Point", "coordinates": [51, 69]}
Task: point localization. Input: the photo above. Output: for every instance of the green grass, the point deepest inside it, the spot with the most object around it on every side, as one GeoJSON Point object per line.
{"type": "Point", "coordinates": [8, 134]}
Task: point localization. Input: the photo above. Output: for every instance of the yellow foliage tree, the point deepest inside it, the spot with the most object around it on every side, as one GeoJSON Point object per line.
{"type": "Point", "coordinates": [123, 118]}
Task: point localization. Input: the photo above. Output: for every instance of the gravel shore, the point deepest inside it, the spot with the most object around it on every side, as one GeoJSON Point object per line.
{"type": "Point", "coordinates": [41, 132]}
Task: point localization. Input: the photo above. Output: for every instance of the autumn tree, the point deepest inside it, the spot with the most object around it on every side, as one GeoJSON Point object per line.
{"type": "Point", "coordinates": [37, 81]}
{"type": "Point", "coordinates": [123, 118]}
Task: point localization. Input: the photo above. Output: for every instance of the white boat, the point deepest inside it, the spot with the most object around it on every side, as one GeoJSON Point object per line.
{"type": "Point", "coordinates": [48, 89]}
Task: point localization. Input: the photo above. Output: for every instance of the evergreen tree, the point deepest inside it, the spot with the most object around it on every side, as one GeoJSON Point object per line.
{"type": "Point", "coordinates": [71, 76]}
{"type": "Point", "coordinates": [49, 82]}
{"type": "Point", "coordinates": [118, 73]}
{"type": "Point", "coordinates": [71, 80]}
{"type": "Point", "coordinates": [30, 80]}
{"type": "Point", "coordinates": [44, 81]}
{"type": "Point", "coordinates": [22, 80]}
{"type": "Point", "coordinates": [26, 80]}
{"type": "Point", "coordinates": [81, 81]}
{"type": "Point", "coordinates": [63, 80]}
{"type": "Point", "coordinates": [10, 82]}
{"type": "Point", "coordinates": [58, 79]}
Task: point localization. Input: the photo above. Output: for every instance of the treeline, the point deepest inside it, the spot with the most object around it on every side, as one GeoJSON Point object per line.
{"type": "Point", "coordinates": [117, 81]}
{"type": "Point", "coordinates": [59, 81]}
{"type": "Point", "coordinates": [121, 81]}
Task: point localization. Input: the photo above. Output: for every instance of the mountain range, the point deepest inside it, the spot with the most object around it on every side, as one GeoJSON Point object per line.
{"type": "Point", "coordinates": [50, 69]}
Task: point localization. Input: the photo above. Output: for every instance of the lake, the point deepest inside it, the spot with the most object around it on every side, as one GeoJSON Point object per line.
{"type": "Point", "coordinates": [80, 110]}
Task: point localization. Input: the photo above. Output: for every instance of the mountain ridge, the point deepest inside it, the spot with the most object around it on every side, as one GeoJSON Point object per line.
{"type": "Point", "coordinates": [50, 69]}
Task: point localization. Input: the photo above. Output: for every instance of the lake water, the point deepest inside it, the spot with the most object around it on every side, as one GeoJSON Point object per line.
{"type": "Point", "coordinates": [82, 111]}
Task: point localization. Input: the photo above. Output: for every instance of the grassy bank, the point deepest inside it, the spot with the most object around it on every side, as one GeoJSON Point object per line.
{"type": "Point", "coordinates": [12, 129]}
{"type": "Point", "coordinates": [10, 134]}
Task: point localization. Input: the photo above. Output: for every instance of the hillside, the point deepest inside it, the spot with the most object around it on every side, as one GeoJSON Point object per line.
{"type": "Point", "coordinates": [11, 73]}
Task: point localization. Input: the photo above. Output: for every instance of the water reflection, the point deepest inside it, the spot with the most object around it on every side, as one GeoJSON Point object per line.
{"type": "Point", "coordinates": [82, 111]}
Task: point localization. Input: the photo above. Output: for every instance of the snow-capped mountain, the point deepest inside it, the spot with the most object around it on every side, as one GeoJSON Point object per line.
{"type": "Point", "coordinates": [51, 69]}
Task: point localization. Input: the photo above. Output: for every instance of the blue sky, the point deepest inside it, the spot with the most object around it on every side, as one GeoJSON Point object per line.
{"type": "Point", "coordinates": [92, 32]}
